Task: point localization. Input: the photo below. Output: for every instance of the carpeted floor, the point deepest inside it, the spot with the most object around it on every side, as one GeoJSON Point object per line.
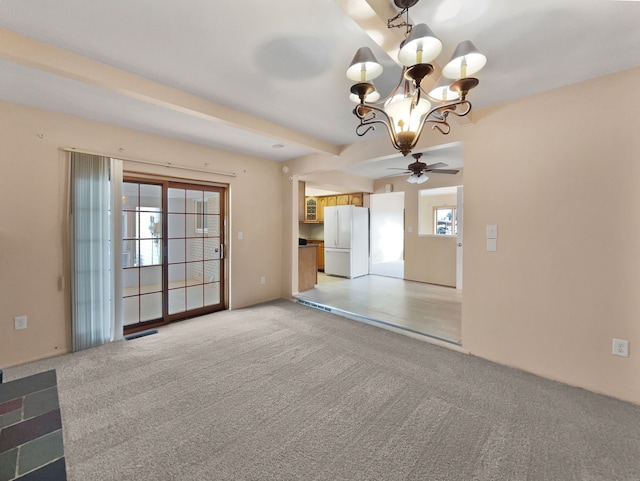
{"type": "Point", "coordinates": [284, 392]}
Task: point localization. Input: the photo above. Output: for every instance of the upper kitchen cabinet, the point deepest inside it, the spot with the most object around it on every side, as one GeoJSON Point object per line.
{"type": "Point", "coordinates": [350, 199]}
{"type": "Point", "coordinates": [325, 201]}
{"type": "Point", "coordinates": [311, 209]}
{"type": "Point", "coordinates": [314, 206]}
{"type": "Point", "coordinates": [355, 199]}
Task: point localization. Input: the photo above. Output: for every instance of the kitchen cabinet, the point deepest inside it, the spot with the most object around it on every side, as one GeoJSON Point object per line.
{"type": "Point", "coordinates": [314, 206]}
{"type": "Point", "coordinates": [342, 199]}
{"type": "Point", "coordinates": [320, 253]}
{"type": "Point", "coordinates": [307, 263]}
{"type": "Point", "coordinates": [311, 209]}
{"type": "Point", "coordinates": [324, 201]}
{"type": "Point", "coordinates": [355, 199]}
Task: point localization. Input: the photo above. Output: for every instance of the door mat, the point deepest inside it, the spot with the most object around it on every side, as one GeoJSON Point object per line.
{"type": "Point", "coordinates": [31, 446]}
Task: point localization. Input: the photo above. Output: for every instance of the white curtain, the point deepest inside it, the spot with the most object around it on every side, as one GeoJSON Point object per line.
{"type": "Point", "coordinates": [96, 206]}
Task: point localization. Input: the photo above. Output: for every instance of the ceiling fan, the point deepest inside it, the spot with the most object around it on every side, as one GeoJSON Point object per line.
{"type": "Point", "coordinates": [418, 169]}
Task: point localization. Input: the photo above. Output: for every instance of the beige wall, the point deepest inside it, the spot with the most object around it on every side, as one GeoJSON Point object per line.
{"type": "Point", "coordinates": [33, 231]}
{"type": "Point", "coordinates": [558, 173]}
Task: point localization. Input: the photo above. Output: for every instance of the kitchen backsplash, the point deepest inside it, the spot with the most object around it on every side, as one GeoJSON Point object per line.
{"type": "Point", "coordinates": [311, 231]}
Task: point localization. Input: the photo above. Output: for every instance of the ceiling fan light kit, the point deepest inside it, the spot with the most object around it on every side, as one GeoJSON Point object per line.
{"type": "Point", "coordinates": [407, 109]}
{"type": "Point", "coordinates": [417, 179]}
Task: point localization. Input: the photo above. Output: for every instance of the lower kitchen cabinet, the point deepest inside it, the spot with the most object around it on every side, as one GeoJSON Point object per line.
{"type": "Point", "coordinates": [320, 253]}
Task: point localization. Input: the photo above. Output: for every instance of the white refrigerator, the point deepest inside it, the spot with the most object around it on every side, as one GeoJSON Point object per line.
{"type": "Point", "coordinates": [346, 241]}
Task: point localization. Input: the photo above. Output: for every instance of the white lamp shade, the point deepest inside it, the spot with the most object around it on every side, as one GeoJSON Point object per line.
{"type": "Point", "coordinates": [364, 66]}
{"type": "Point", "coordinates": [421, 46]}
{"type": "Point", "coordinates": [372, 97]}
{"type": "Point", "coordinates": [417, 179]}
{"type": "Point", "coordinates": [442, 93]}
{"type": "Point", "coordinates": [403, 117]}
{"type": "Point", "coordinates": [465, 61]}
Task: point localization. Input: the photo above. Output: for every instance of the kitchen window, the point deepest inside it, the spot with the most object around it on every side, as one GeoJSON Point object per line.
{"type": "Point", "coordinates": [445, 220]}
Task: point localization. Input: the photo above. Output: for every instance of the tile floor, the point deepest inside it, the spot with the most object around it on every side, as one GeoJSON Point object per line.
{"type": "Point", "coordinates": [31, 445]}
{"type": "Point", "coordinates": [417, 307]}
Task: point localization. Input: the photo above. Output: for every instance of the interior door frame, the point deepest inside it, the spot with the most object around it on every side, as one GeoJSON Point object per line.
{"type": "Point", "coordinates": [164, 182]}
{"type": "Point", "coordinates": [460, 236]}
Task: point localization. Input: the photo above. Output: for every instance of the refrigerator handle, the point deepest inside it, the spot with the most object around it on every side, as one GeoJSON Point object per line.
{"type": "Point", "coordinates": [337, 239]}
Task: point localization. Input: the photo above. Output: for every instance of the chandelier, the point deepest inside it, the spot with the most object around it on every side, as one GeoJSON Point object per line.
{"type": "Point", "coordinates": [407, 109]}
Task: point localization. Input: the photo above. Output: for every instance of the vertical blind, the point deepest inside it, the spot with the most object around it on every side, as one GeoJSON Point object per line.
{"type": "Point", "coordinates": [96, 206]}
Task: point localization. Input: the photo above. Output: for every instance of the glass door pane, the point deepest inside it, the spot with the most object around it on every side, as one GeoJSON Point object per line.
{"type": "Point", "coordinates": [176, 251]}
{"type": "Point", "coordinates": [142, 252]}
{"type": "Point", "coordinates": [212, 248]}
{"type": "Point", "coordinates": [194, 248]}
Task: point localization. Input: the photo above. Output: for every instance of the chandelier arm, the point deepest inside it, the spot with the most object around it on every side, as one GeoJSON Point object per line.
{"type": "Point", "coordinates": [440, 129]}
{"type": "Point", "coordinates": [362, 124]}
{"type": "Point", "coordinates": [371, 118]}
{"type": "Point", "coordinates": [440, 120]}
{"type": "Point", "coordinates": [467, 109]}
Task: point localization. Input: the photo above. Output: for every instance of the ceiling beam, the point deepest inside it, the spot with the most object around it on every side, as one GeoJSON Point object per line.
{"type": "Point", "coordinates": [371, 16]}
{"type": "Point", "coordinates": [32, 53]}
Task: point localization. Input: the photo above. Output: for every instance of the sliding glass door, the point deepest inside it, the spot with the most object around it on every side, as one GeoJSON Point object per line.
{"type": "Point", "coordinates": [194, 258]}
{"type": "Point", "coordinates": [172, 252]}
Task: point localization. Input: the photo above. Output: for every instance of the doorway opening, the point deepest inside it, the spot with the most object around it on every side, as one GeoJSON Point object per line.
{"type": "Point", "coordinates": [387, 234]}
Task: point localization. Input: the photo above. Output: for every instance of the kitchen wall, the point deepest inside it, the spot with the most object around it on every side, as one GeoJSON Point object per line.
{"type": "Point", "coordinates": [311, 231]}
{"type": "Point", "coordinates": [34, 276]}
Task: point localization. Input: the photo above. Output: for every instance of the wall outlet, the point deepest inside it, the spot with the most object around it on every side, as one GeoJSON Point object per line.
{"type": "Point", "coordinates": [621, 347]}
{"type": "Point", "coordinates": [20, 322]}
{"type": "Point", "coordinates": [263, 280]}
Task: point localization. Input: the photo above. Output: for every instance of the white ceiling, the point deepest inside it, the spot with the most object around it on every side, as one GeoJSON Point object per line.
{"type": "Point", "coordinates": [283, 61]}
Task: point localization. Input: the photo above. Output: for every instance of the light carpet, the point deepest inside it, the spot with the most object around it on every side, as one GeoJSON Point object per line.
{"type": "Point", "coordinates": [281, 391]}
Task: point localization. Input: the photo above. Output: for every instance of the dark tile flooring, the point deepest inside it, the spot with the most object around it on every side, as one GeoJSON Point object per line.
{"type": "Point", "coordinates": [31, 445]}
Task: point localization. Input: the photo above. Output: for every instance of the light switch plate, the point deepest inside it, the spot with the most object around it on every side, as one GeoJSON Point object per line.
{"type": "Point", "coordinates": [492, 245]}
{"type": "Point", "coordinates": [20, 322]}
{"type": "Point", "coordinates": [492, 231]}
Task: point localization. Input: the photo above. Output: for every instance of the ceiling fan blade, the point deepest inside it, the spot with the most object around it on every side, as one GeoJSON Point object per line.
{"type": "Point", "coordinates": [394, 175]}
{"type": "Point", "coordinates": [398, 168]}
{"type": "Point", "coordinates": [435, 166]}
{"type": "Point", "coordinates": [444, 171]}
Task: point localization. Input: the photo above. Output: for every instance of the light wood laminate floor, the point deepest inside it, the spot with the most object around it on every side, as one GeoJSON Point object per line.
{"type": "Point", "coordinates": [417, 307]}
